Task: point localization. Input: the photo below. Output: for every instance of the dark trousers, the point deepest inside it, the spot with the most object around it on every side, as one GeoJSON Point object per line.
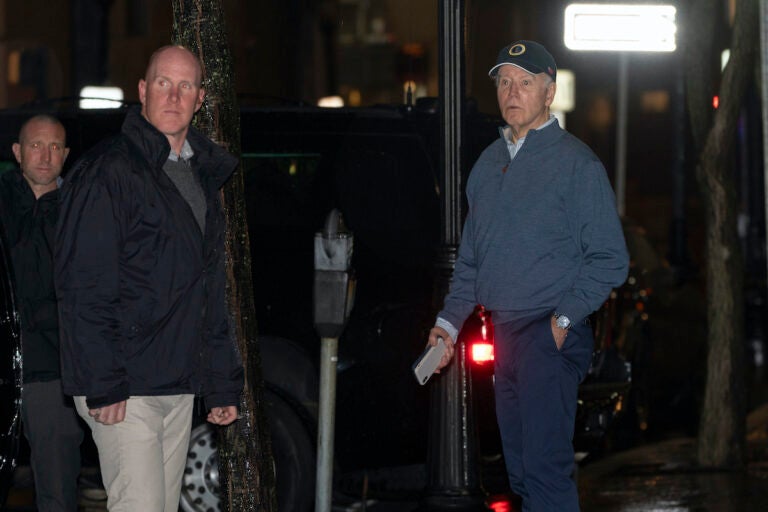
{"type": "Point", "coordinates": [536, 395]}
{"type": "Point", "coordinates": [53, 429]}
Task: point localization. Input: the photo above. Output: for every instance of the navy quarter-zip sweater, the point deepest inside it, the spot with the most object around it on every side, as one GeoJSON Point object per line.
{"type": "Point", "coordinates": [542, 234]}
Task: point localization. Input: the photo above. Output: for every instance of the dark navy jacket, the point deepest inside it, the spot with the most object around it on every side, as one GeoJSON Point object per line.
{"type": "Point", "coordinates": [28, 226]}
{"type": "Point", "coordinates": [141, 290]}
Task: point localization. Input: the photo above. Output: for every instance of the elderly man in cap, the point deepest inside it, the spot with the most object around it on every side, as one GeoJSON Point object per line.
{"type": "Point", "coordinates": [542, 247]}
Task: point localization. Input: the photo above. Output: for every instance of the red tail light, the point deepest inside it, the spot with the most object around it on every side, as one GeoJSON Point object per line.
{"type": "Point", "coordinates": [502, 505]}
{"type": "Point", "coordinates": [481, 352]}
{"type": "Point", "coordinates": [481, 349]}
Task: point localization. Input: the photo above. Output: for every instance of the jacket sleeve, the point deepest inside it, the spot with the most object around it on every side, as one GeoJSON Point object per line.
{"type": "Point", "coordinates": [597, 229]}
{"type": "Point", "coordinates": [461, 298]}
{"type": "Point", "coordinates": [87, 259]}
{"type": "Point", "coordinates": [223, 375]}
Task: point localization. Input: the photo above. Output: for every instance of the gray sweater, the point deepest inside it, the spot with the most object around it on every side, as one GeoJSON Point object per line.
{"type": "Point", "coordinates": [542, 234]}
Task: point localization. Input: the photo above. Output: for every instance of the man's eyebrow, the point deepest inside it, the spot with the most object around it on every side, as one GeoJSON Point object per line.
{"type": "Point", "coordinates": [191, 81]}
{"type": "Point", "coordinates": [40, 141]}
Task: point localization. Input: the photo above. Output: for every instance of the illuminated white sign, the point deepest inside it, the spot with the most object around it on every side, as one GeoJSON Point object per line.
{"type": "Point", "coordinates": [92, 96]}
{"type": "Point", "coordinates": [565, 95]}
{"type": "Point", "coordinates": [331, 102]}
{"type": "Point", "coordinates": [620, 27]}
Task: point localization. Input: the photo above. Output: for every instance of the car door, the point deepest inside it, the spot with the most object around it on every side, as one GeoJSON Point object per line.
{"type": "Point", "coordinates": [10, 376]}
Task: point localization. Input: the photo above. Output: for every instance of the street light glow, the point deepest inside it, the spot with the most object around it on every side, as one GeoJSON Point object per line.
{"type": "Point", "coordinates": [92, 96]}
{"type": "Point", "coordinates": [565, 94]}
{"type": "Point", "coordinates": [330, 102]}
{"type": "Point", "coordinates": [620, 27]}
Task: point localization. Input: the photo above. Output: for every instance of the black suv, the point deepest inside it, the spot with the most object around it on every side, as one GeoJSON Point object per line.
{"type": "Point", "coordinates": [378, 166]}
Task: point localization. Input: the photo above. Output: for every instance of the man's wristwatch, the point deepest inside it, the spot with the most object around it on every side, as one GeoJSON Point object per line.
{"type": "Point", "coordinates": [562, 321]}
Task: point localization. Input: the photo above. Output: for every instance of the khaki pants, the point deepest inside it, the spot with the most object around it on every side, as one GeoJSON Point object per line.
{"type": "Point", "coordinates": [142, 458]}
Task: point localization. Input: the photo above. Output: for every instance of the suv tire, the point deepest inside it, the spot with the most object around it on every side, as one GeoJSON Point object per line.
{"type": "Point", "coordinates": [293, 451]}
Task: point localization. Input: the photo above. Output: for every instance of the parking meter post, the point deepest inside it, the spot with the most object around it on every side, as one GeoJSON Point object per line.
{"type": "Point", "coordinates": [324, 482]}
{"type": "Point", "coordinates": [333, 296]}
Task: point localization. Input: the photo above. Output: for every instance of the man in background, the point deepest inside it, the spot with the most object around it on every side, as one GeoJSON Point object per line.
{"type": "Point", "coordinates": [29, 210]}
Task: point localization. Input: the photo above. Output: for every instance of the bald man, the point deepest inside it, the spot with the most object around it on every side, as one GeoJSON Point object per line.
{"type": "Point", "coordinates": [29, 198]}
{"type": "Point", "coordinates": [140, 264]}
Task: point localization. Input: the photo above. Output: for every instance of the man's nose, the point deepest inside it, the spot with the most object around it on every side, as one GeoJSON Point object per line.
{"type": "Point", "coordinates": [512, 89]}
{"type": "Point", "coordinates": [174, 94]}
{"type": "Point", "coordinates": [46, 154]}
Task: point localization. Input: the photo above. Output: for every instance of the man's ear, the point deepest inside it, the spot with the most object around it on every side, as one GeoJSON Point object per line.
{"type": "Point", "coordinates": [142, 91]}
{"type": "Point", "coordinates": [200, 98]}
{"type": "Point", "coordinates": [17, 151]}
{"type": "Point", "coordinates": [551, 90]}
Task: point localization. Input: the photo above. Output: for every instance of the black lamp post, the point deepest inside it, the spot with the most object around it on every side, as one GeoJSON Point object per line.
{"type": "Point", "coordinates": [452, 475]}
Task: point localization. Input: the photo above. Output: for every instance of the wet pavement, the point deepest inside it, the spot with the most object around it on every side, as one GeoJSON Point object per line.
{"type": "Point", "coordinates": [655, 477]}
{"type": "Point", "coordinates": [658, 477]}
{"type": "Point", "coordinates": [663, 476]}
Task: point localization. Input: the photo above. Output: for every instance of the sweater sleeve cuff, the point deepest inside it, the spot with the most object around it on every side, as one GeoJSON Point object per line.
{"type": "Point", "coordinates": [574, 308]}
{"type": "Point", "coordinates": [453, 332]}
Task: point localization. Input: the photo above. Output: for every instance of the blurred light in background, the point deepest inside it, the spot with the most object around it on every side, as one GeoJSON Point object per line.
{"type": "Point", "coordinates": [331, 102]}
{"type": "Point", "coordinates": [92, 96]}
{"type": "Point", "coordinates": [14, 65]}
{"type": "Point", "coordinates": [355, 98]}
{"type": "Point", "coordinates": [565, 95]}
{"type": "Point", "coordinates": [724, 57]}
{"type": "Point", "coordinates": [654, 102]}
{"type": "Point", "coordinates": [620, 27]}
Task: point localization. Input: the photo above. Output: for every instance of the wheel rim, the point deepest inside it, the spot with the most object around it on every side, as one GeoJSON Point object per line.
{"type": "Point", "coordinates": [200, 485]}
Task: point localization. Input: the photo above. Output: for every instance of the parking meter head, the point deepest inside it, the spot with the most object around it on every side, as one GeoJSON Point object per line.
{"type": "Point", "coordinates": [333, 246]}
{"type": "Point", "coordinates": [333, 294]}
{"type": "Point", "coordinates": [333, 291]}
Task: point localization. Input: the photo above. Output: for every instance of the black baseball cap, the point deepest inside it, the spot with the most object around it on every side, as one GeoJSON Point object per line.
{"type": "Point", "coordinates": [527, 55]}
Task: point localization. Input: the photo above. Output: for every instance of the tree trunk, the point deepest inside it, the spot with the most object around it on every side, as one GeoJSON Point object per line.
{"type": "Point", "coordinates": [722, 426]}
{"type": "Point", "coordinates": [245, 460]}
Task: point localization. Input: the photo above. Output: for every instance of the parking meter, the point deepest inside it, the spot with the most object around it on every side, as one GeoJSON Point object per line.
{"type": "Point", "coordinates": [334, 286]}
{"type": "Point", "coordinates": [334, 293]}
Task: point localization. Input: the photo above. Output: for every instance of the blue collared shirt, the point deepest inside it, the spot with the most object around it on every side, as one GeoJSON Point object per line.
{"type": "Point", "coordinates": [514, 147]}
{"type": "Point", "coordinates": [186, 153]}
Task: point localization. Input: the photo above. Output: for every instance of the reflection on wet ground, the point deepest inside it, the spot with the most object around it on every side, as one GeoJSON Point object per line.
{"type": "Point", "coordinates": [664, 477]}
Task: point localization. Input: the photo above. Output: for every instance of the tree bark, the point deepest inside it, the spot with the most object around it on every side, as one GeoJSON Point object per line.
{"type": "Point", "coordinates": [722, 428]}
{"type": "Point", "coordinates": [245, 460]}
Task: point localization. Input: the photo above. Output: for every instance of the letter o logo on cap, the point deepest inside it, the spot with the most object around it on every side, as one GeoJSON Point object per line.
{"type": "Point", "coordinates": [517, 49]}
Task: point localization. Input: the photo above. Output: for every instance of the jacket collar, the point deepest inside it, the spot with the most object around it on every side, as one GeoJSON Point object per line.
{"type": "Point", "coordinates": [217, 163]}
{"type": "Point", "coordinates": [24, 191]}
